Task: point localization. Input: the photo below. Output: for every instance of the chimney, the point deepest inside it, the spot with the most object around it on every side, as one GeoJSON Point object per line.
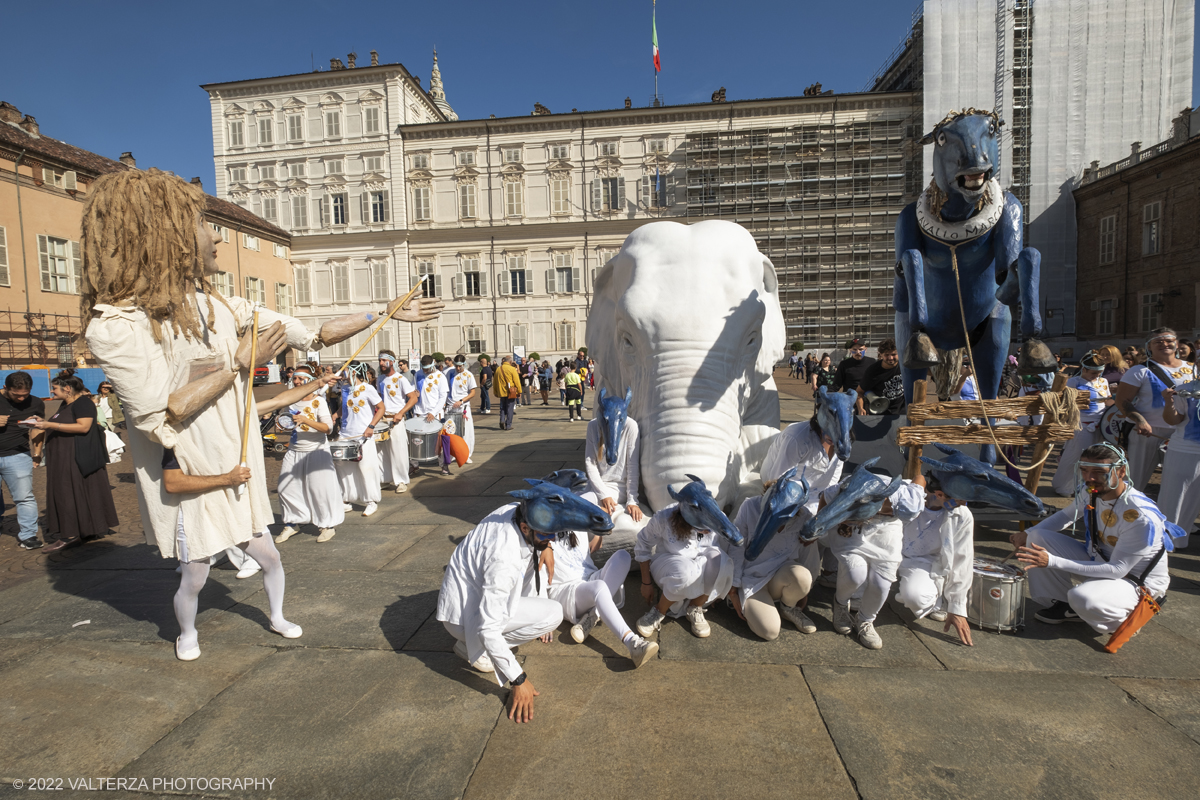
{"type": "Point", "coordinates": [1135, 152]}
{"type": "Point", "coordinates": [374, 59]}
{"type": "Point", "coordinates": [350, 59]}
{"type": "Point", "coordinates": [29, 125]}
{"type": "Point", "coordinates": [128, 160]}
{"type": "Point", "coordinates": [336, 63]}
{"type": "Point", "coordinates": [9, 113]}
{"type": "Point", "coordinates": [628, 103]}
{"type": "Point", "coordinates": [197, 182]}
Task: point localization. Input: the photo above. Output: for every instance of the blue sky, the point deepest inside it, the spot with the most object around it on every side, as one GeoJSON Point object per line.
{"type": "Point", "coordinates": [126, 76]}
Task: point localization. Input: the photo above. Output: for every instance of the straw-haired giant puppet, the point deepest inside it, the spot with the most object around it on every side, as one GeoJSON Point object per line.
{"type": "Point", "coordinates": [960, 263]}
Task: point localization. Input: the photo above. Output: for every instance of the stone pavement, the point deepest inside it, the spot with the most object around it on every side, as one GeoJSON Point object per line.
{"type": "Point", "coordinates": [372, 703]}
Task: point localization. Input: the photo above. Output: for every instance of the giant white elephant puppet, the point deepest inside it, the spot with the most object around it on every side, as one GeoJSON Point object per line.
{"type": "Point", "coordinates": [689, 317]}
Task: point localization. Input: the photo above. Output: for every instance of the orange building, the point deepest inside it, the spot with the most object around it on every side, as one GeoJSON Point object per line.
{"type": "Point", "coordinates": [43, 185]}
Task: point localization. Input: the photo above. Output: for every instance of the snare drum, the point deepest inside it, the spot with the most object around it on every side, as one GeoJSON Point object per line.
{"type": "Point", "coordinates": [383, 430]}
{"type": "Point", "coordinates": [997, 597]}
{"type": "Point", "coordinates": [422, 440]}
{"type": "Point", "coordinates": [285, 422]}
{"type": "Point", "coordinates": [456, 416]}
{"type": "Point", "coordinates": [346, 449]}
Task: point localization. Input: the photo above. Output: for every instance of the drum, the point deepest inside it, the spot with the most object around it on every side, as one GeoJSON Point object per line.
{"type": "Point", "coordinates": [285, 422]}
{"type": "Point", "coordinates": [1111, 423]}
{"type": "Point", "coordinates": [456, 416]}
{"type": "Point", "coordinates": [383, 430]}
{"type": "Point", "coordinates": [997, 597]}
{"type": "Point", "coordinates": [422, 440]}
{"type": "Point", "coordinates": [346, 449]}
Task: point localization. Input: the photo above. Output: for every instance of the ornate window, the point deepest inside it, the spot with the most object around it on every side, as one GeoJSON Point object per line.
{"type": "Point", "coordinates": [1151, 213]}
{"type": "Point", "coordinates": [256, 290]}
{"type": "Point", "coordinates": [371, 119]}
{"type": "Point", "coordinates": [295, 127]}
{"type": "Point", "coordinates": [560, 193]}
{"type": "Point", "coordinates": [466, 201]}
{"type": "Point", "coordinates": [237, 133]}
{"type": "Point", "coordinates": [514, 199]}
{"type": "Point", "coordinates": [421, 205]}
{"type": "Point", "coordinates": [1108, 239]}
{"type": "Point", "coordinates": [303, 285]}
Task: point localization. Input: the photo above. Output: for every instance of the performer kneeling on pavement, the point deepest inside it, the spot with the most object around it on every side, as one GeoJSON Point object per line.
{"type": "Point", "coordinates": [1126, 540]}
{"type": "Point", "coordinates": [937, 559]}
{"type": "Point", "coordinates": [169, 344]}
{"type": "Point", "coordinates": [489, 598]}
{"type": "Point", "coordinates": [678, 549]}
{"type": "Point", "coordinates": [309, 491]}
{"type": "Point", "coordinates": [362, 407]}
{"type": "Point", "coordinates": [612, 460]}
{"type": "Point", "coordinates": [462, 391]}
{"type": "Point", "coordinates": [431, 402]}
{"type": "Point", "coordinates": [399, 396]}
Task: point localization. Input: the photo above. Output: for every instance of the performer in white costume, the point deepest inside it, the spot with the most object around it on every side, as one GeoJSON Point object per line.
{"type": "Point", "coordinates": [617, 485]}
{"type": "Point", "coordinates": [178, 355]}
{"type": "Point", "coordinates": [1139, 396]}
{"type": "Point", "coordinates": [868, 555]}
{"type": "Point", "coordinates": [361, 409]}
{"type": "Point", "coordinates": [1179, 497]}
{"type": "Point", "coordinates": [463, 390]}
{"type": "Point", "coordinates": [309, 491]}
{"type": "Point", "coordinates": [431, 400]}
{"type": "Point", "coordinates": [399, 395]}
{"type": "Point", "coordinates": [1091, 380]}
{"type": "Point", "coordinates": [937, 559]}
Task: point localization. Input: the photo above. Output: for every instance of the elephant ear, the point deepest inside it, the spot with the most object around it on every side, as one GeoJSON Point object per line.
{"type": "Point", "coordinates": [947, 450]}
{"type": "Point", "coordinates": [534, 481]}
{"type": "Point", "coordinates": [940, 466]}
{"type": "Point", "coordinates": [674, 494]}
{"type": "Point", "coordinates": [523, 494]}
{"type": "Point", "coordinates": [602, 395]}
{"type": "Point", "coordinates": [823, 393]}
{"type": "Point", "coordinates": [628, 395]}
{"type": "Point", "coordinates": [694, 479]}
{"type": "Point", "coordinates": [789, 473]}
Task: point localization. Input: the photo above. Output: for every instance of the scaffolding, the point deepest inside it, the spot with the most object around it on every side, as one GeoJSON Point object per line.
{"type": "Point", "coordinates": [40, 338]}
{"type": "Point", "coordinates": [821, 199]}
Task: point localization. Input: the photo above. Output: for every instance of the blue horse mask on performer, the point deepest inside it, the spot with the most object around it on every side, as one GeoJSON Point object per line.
{"type": "Point", "coordinates": [860, 497]}
{"type": "Point", "coordinates": [782, 501]}
{"type": "Point", "coordinates": [573, 480]}
{"type": "Point", "coordinates": [835, 416]}
{"type": "Point", "coordinates": [614, 410]}
{"type": "Point", "coordinates": [968, 145]}
{"type": "Point", "coordinates": [700, 510]}
{"type": "Point", "coordinates": [970, 480]}
{"type": "Point", "coordinates": [552, 509]}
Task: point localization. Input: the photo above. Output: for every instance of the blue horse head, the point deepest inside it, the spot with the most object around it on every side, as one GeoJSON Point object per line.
{"type": "Point", "coordinates": [614, 410]}
{"type": "Point", "coordinates": [835, 416]}
{"type": "Point", "coordinates": [966, 154]}
{"type": "Point", "coordinates": [573, 480]}
{"type": "Point", "coordinates": [552, 509]}
{"type": "Point", "coordinates": [700, 510]}
{"type": "Point", "coordinates": [967, 479]}
{"type": "Point", "coordinates": [860, 497]}
{"type": "Point", "coordinates": [782, 501]}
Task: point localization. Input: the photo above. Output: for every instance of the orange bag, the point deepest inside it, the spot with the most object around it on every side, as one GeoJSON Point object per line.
{"type": "Point", "coordinates": [1142, 613]}
{"type": "Point", "coordinates": [458, 448]}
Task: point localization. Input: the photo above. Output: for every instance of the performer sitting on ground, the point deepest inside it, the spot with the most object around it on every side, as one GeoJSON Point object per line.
{"type": "Point", "coordinates": [399, 395]}
{"type": "Point", "coordinates": [1179, 496]}
{"type": "Point", "coordinates": [462, 391]}
{"type": "Point", "coordinates": [612, 460]}
{"type": "Point", "coordinates": [678, 548]}
{"type": "Point", "coordinates": [484, 602]}
{"type": "Point", "coordinates": [431, 402]}
{"type": "Point", "coordinates": [362, 408]}
{"type": "Point", "coordinates": [1091, 380]}
{"type": "Point", "coordinates": [309, 491]}
{"type": "Point", "coordinates": [937, 558]}
{"type": "Point", "coordinates": [1126, 540]}
{"type": "Point", "coordinates": [169, 344]}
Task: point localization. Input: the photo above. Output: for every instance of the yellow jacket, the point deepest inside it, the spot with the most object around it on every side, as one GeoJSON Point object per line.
{"type": "Point", "coordinates": [506, 376]}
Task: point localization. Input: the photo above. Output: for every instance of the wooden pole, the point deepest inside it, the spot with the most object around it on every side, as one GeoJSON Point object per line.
{"type": "Point", "coordinates": [913, 467]}
{"type": "Point", "coordinates": [411, 292]}
{"type": "Point", "coordinates": [249, 388]}
{"type": "Point", "coordinates": [1039, 452]}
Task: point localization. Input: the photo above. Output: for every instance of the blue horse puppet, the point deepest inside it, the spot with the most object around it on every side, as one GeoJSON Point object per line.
{"type": "Point", "coordinates": [780, 504]}
{"type": "Point", "coordinates": [835, 417]}
{"type": "Point", "coordinates": [700, 510]}
{"type": "Point", "coordinates": [552, 509]}
{"type": "Point", "coordinates": [860, 497]}
{"type": "Point", "coordinates": [967, 479]}
{"type": "Point", "coordinates": [573, 480]}
{"type": "Point", "coordinates": [614, 410]}
{"type": "Point", "coordinates": [963, 239]}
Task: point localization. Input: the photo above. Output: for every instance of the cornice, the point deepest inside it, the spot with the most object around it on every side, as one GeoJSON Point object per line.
{"type": "Point", "coordinates": [311, 81]}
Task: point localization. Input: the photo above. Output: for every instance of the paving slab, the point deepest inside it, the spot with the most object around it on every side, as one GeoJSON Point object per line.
{"type": "Point", "coordinates": [1177, 702]}
{"type": "Point", "coordinates": [439, 511]}
{"type": "Point", "coordinates": [87, 709]}
{"type": "Point", "coordinates": [133, 605]}
{"type": "Point", "coordinates": [684, 730]}
{"type": "Point", "coordinates": [930, 734]}
{"type": "Point", "coordinates": [14, 650]}
{"type": "Point", "coordinates": [431, 553]}
{"type": "Point", "coordinates": [339, 723]}
{"type": "Point", "coordinates": [46, 588]}
{"type": "Point", "coordinates": [361, 547]}
{"type": "Point", "coordinates": [1181, 612]}
{"type": "Point", "coordinates": [108, 554]}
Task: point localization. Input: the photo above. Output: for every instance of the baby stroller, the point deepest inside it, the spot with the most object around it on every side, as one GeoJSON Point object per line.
{"type": "Point", "coordinates": [274, 439]}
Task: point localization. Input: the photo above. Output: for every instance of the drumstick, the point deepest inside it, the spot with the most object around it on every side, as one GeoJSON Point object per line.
{"type": "Point", "coordinates": [384, 321]}
{"type": "Point", "coordinates": [249, 392]}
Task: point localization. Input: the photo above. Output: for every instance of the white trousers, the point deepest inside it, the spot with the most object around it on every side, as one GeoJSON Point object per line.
{"type": "Point", "coordinates": [1145, 453]}
{"type": "Point", "coordinates": [532, 617]}
{"type": "Point", "coordinates": [1064, 476]}
{"type": "Point", "coordinates": [309, 490]}
{"type": "Point", "coordinates": [920, 591]}
{"type": "Point", "coordinates": [393, 457]}
{"type": "Point", "coordinates": [682, 578]}
{"type": "Point", "coordinates": [1179, 497]}
{"type": "Point", "coordinates": [604, 592]}
{"type": "Point", "coordinates": [874, 578]}
{"type": "Point", "coordinates": [1102, 603]}
{"type": "Point", "coordinates": [360, 479]}
{"type": "Point", "coordinates": [468, 431]}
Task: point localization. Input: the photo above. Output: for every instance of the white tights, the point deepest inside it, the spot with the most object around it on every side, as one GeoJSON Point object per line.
{"type": "Point", "coordinates": [598, 593]}
{"type": "Point", "coordinates": [195, 573]}
{"type": "Point", "coordinates": [855, 571]}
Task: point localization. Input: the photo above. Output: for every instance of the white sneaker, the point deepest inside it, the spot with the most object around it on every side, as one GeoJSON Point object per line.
{"type": "Point", "coordinates": [583, 629]}
{"type": "Point", "coordinates": [482, 664]}
{"type": "Point", "coordinates": [641, 650]}
{"type": "Point", "coordinates": [250, 568]}
{"type": "Point", "coordinates": [401, 488]}
{"type": "Point", "coordinates": [796, 616]}
{"type": "Point", "coordinates": [285, 534]}
{"type": "Point", "coordinates": [700, 626]}
{"type": "Point", "coordinates": [867, 636]}
{"type": "Point", "coordinates": [841, 618]}
{"type": "Point", "coordinates": [347, 507]}
{"type": "Point", "coordinates": [370, 509]}
{"type": "Point", "coordinates": [650, 622]}
{"type": "Point", "coordinates": [937, 616]}
{"type": "Point", "coordinates": [327, 534]}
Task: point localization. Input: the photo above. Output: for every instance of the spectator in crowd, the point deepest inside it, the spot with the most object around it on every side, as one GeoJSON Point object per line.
{"type": "Point", "coordinates": [527, 367]}
{"type": "Point", "coordinates": [793, 364]}
{"type": "Point", "coordinates": [1135, 355]}
{"type": "Point", "coordinates": [823, 373]}
{"type": "Point", "coordinates": [882, 382]}
{"type": "Point", "coordinates": [78, 506]}
{"type": "Point", "coordinates": [810, 365]}
{"type": "Point", "coordinates": [851, 371]}
{"type": "Point", "coordinates": [1185, 351]}
{"type": "Point", "coordinates": [20, 451]}
{"type": "Point", "coordinates": [486, 371]}
{"type": "Point", "coordinates": [506, 385]}
{"type": "Point", "coordinates": [545, 381]}
{"type": "Point", "coordinates": [966, 388]}
{"type": "Point", "coordinates": [581, 359]}
{"type": "Point", "coordinates": [560, 371]}
{"type": "Point", "coordinates": [101, 411]}
{"type": "Point", "coordinates": [107, 400]}
{"type": "Point", "coordinates": [1114, 365]}
{"type": "Point", "coordinates": [574, 383]}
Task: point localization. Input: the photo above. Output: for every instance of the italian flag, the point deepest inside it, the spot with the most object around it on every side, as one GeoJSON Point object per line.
{"type": "Point", "coordinates": [654, 38]}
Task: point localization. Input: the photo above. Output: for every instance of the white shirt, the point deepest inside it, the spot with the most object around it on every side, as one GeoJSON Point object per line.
{"type": "Point", "coordinates": [395, 389]}
{"type": "Point", "coordinates": [799, 445]}
{"type": "Point", "coordinates": [1186, 438]}
{"type": "Point", "coordinates": [304, 438]}
{"type": "Point", "coordinates": [880, 538]}
{"type": "Point", "coordinates": [784, 548]}
{"type": "Point", "coordinates": [461, 384]}
{"type": "Point", "coordinates": [432, 399]}
{"type": "Point", "coordinates": [360, 410]}
{"type": "Point", "coordinates": [482, 584]}
{"type": "Point", "coordinates": [1139, 376]}
{"type": "Point", "coordinates": [1098, 389]}
{"type": "Point", "coordinates": [619, 481]}
{"type": "Point", "coordinates": [657, 537]}
{"type": "Point", "coordinates": [946, 538]}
